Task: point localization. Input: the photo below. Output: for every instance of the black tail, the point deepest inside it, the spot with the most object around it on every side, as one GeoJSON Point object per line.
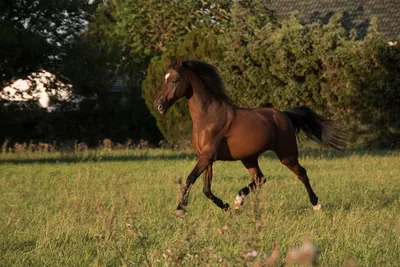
{"type": "Point", "coordinates": [317, 128]}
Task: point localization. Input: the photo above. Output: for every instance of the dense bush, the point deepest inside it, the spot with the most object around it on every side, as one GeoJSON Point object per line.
{"type": "Point", "coordinates": [90, 123]}
{"type": "Point", "coordinates": [283, 65]}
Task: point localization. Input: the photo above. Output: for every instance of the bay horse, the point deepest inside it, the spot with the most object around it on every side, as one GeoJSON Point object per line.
{"type": "Point", "coordinates": [224, 131]}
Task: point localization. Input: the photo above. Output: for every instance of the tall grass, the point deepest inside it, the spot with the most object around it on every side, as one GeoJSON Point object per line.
{"type": "Point", "coordinates": [107, 207]}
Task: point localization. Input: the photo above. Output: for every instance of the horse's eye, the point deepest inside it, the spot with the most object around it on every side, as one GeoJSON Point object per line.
{"type": "Point", "coordinates": [175, 81]}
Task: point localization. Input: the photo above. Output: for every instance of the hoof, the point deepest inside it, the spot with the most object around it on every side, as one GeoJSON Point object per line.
{"type": "Point", "coordinates": [238, 202]}
{"type": "Point", "coordinates": [226, 207]}
{"type": "Point", "coordinates": [179, 213]}
{"type": "Point", "coordinates": [317, 207]}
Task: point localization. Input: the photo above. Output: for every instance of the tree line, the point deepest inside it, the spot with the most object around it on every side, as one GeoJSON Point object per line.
{"type": "Point", "coordinates": [263, 61]}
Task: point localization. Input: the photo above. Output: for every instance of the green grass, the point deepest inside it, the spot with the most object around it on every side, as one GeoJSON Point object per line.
{"type": "Point", "coordinates": [117, 208]}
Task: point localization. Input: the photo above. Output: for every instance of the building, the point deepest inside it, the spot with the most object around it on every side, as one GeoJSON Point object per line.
{"type": "Point", "coordinates": [356, 13]}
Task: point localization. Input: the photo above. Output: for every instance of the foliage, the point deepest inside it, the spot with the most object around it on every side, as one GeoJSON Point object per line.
{"type": "Point", "coordinates": [17, 57]}
{"type": "Point", "coordinates": [286, 64]}
{"type": "Point", "coordinates": [147, 28]}
{"type": "Point", "coordinates": [37, 32]}
{"type": "Point", "coordinates": [58, 43]}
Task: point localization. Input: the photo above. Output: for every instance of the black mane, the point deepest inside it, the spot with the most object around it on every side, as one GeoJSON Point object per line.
{"type": "Point", "coordinates": [208, 74]}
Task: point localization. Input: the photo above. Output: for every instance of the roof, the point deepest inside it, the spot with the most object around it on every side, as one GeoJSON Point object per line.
{"type": "Point", "coordinates": [356, 13]}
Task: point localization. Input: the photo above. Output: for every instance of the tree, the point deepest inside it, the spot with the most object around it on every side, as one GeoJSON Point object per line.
{"type": "Point", "coordinates": [242, 75]}
{"type": "Point", "coordinates": [146, 32]}
{"type": "Point", "coordinates": [53, 35]}
{"type": "Point", "coordinates": [37, 32]}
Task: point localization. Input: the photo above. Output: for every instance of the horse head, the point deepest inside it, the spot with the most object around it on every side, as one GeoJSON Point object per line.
{"type": "Point", "coordinates": [175, 86]}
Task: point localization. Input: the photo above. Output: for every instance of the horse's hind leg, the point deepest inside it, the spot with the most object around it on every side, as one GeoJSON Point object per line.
{"type": "Point", "coordinates": [207, 180]}
{"type": "Point", "coordinates": [293, 164]}
{"type": "Point", "coordinates": [258, 179]}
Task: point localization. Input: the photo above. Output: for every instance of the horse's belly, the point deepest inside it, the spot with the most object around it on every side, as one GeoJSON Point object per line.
{"type": "Point", "coordinates": [250, 135]}
{"type": "Point", "coordinates": [240, 146]}
{"type": "Point", "coordinates": [250, 145]}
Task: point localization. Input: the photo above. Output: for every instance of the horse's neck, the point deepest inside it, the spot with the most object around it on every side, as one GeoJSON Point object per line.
{"type": "Point", "coordinates": [202, 103]}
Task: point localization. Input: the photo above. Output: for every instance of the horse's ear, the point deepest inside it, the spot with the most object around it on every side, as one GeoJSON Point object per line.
{"type": "Point", "coordinates": [179, 62]}
{"type": "Point", "coordinates": [169, 61]}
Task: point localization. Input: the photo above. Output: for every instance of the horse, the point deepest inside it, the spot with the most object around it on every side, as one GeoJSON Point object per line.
{"type": "Point", "coordinates": [226, 132]}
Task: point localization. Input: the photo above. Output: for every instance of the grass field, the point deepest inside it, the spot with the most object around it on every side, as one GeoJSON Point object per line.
{"type": "Point", "coordinates": [116, 208]}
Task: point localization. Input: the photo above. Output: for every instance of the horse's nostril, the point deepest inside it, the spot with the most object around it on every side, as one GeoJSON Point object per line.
{"type": "Point", "coordinates": [160, 108]}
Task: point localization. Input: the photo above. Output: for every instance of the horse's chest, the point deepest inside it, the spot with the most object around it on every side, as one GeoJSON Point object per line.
{"type": "Point", "coordinates": [195, 142]}
{"type": "Point", "coordinates": [198, 140]}
{"type": "Point", "coordinates": [203, 137]}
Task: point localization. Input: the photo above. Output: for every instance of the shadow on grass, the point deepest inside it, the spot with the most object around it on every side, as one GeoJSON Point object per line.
{"type": "Point", "coordinates": [71, 157]}
{"type": "Point", "coordinates": [78, 157]}
{"type": "Point", "coordinates": [331, 154]}
{"type": "Point", "coordinates": [22, 246]}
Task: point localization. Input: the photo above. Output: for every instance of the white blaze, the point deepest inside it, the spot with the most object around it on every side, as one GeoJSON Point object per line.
{"type": "Point", "coordinates": [166, 77]}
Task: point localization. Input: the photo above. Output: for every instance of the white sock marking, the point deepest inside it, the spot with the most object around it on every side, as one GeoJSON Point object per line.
{"type": "Point", "coordinates": [317, 207]}
{"type": "Point", "coordinates": [239, 200]}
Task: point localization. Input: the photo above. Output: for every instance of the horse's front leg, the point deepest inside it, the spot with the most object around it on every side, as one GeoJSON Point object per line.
{"type": "Point", "coordinates": [205, 160]}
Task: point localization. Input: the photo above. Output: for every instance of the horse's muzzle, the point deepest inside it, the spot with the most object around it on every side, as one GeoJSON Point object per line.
{"type": "Point", "coordinates": [159, 107]}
